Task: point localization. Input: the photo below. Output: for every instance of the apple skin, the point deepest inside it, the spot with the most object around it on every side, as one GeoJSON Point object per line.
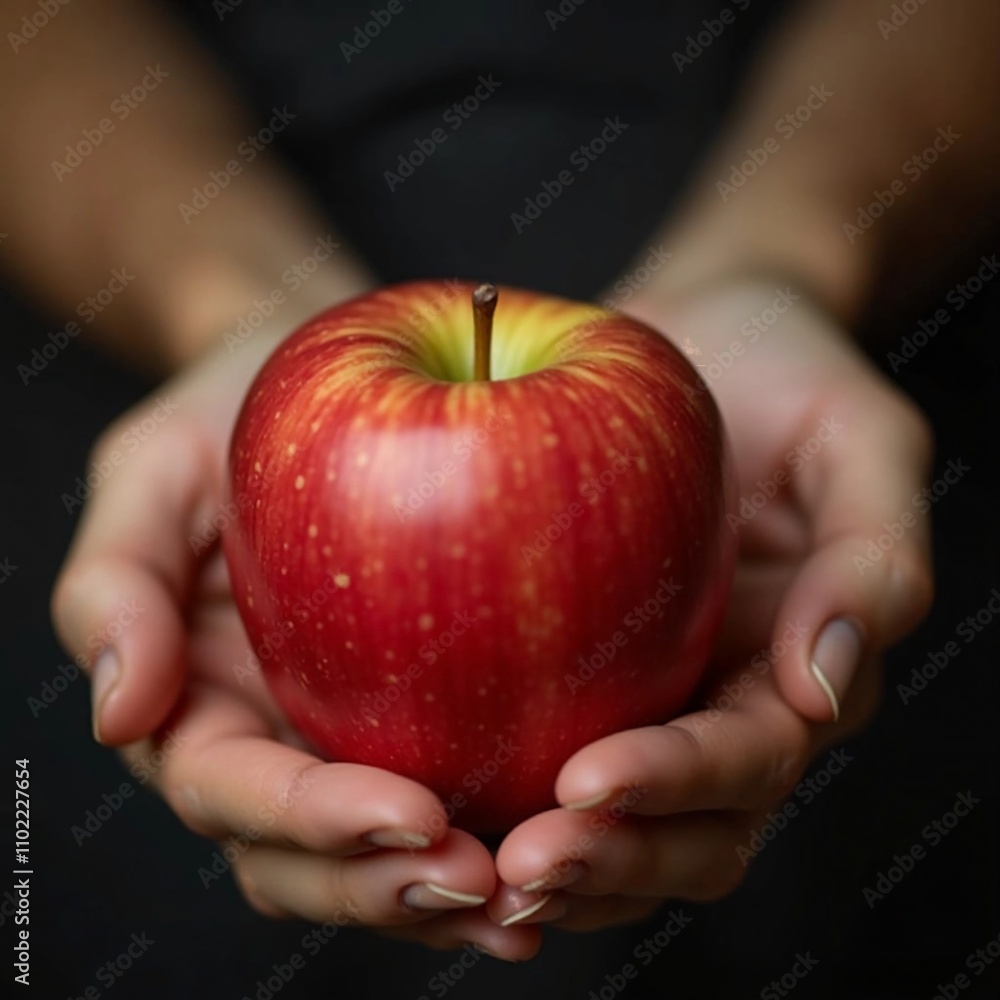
{"type": "Point", "coordinates": [390, 562]}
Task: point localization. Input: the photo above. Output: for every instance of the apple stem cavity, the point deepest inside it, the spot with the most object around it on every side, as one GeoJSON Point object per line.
{"type": "Point", "coordinates": [484, 303]}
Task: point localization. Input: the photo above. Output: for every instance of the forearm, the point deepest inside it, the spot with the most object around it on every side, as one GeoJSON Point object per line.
{"type": "Point", "coordinates": [142, 199]}
{"type": "Point", "coordinates": [874, 99]}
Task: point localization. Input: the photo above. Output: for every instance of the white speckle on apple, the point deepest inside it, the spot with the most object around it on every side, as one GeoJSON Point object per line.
{"type": "Point", "coordinates": [616, 422]}
{"type": "Point", "coordinates": [342, 580]}
{"type": "Point", "coordinates": [421, 564]}
{"type": "Point", "coordinates": [374, 723]}
{"type": "Point", "coordinates": [482, 692]}
{"type": "Point", "coordinates": [348, 644]}
{"type": "Point", "coordinates": [390, 655]}
{"type": "Point", "coordinates": [428, 696]}
{"type": "Point", "coordinates": [330, 475]}
{"type": "Point", "coordinates": [362, 458]}
{"type": "Point", "coordinates": [314, 426]}
{"type": "Point", "coordinates": [250, 600]}
{"type": "Point", "coordinates": [550, 440]}
{"type": "Point", "coordinates": [457, 550]}
{"type": "Point", "coordinates": [300, 481]}
{"type": "Point", "coordinates": [257, 467]}
{"type": "Point", "coordinates": [326, 550]}
{"type": "Point", "coordinates": [291, 449]}
{"type": "Point", "coordinates": [312, 530]}
{"type": "Point", "coordinates": [425, 622]}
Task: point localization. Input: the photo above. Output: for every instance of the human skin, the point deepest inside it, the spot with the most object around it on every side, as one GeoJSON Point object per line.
{"type": "Point", "coordinates": [708, 780]}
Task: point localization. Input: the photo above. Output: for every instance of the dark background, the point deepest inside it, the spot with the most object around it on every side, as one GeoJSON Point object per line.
{"type": "Point", "coordinates": [137, 874]}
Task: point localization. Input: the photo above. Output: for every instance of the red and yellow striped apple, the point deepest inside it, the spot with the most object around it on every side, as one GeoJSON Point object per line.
{"type": "Point", "coordinates": [465, 571]}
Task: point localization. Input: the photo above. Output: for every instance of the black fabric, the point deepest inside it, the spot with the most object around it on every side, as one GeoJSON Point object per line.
{"type": "Point", "coordinates": [137, 873]}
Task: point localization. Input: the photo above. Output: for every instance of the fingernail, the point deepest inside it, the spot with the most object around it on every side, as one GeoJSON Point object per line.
{"type": "Point", "coordinates": [104, 677]}
{"type": "Point", "coordinates": [428, 896]}
{"type": "Point", "coordinates": [530, 911]}
{"type": "Point", "coordinates": [589, 803]}
{"type": "Point", "coordinates": [835, 659]}
{"type": "Point", "coordinates": [398, 839]}
{"type": "Point", "coordinates": [555, 879]}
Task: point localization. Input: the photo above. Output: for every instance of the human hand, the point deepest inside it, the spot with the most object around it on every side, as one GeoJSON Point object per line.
{"type": "Point", "coordinates": [827, 455]}
{"type": "Point", "coordinates": [322, 841]}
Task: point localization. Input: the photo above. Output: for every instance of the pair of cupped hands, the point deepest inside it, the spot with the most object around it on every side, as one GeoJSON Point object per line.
{"type": "Point", "coordinates": [348, 843]}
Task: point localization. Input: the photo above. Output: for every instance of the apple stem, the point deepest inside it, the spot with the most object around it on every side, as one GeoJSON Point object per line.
{"type": "Point", "coordinates": [484, 302]}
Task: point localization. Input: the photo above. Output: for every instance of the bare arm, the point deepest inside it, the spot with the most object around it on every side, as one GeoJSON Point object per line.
{"type": "Point", "coordinates": [876, 94]}
{"type": "Point", "coordinates": [121, 78]}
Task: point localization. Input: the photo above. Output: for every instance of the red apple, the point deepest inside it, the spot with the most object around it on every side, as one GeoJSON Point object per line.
{"type": "Point", "coordinates": [466, 580]}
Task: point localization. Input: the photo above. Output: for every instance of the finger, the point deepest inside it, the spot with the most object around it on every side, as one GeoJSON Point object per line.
{"type": "Point", "coordinates": [869, 580]}
{"type": "Point", "coordinates": [223, 773]}
{"type": "Point", "coordinates": [745, 756]}
{"type": "Point", "coordinates": [117, 602]}
{"type": "Point", "coordinates": [686, 857]}
{"type": "Point", "coordinates": [384, 888]}
{"type": "Point", "coordinates": [510, 905]}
